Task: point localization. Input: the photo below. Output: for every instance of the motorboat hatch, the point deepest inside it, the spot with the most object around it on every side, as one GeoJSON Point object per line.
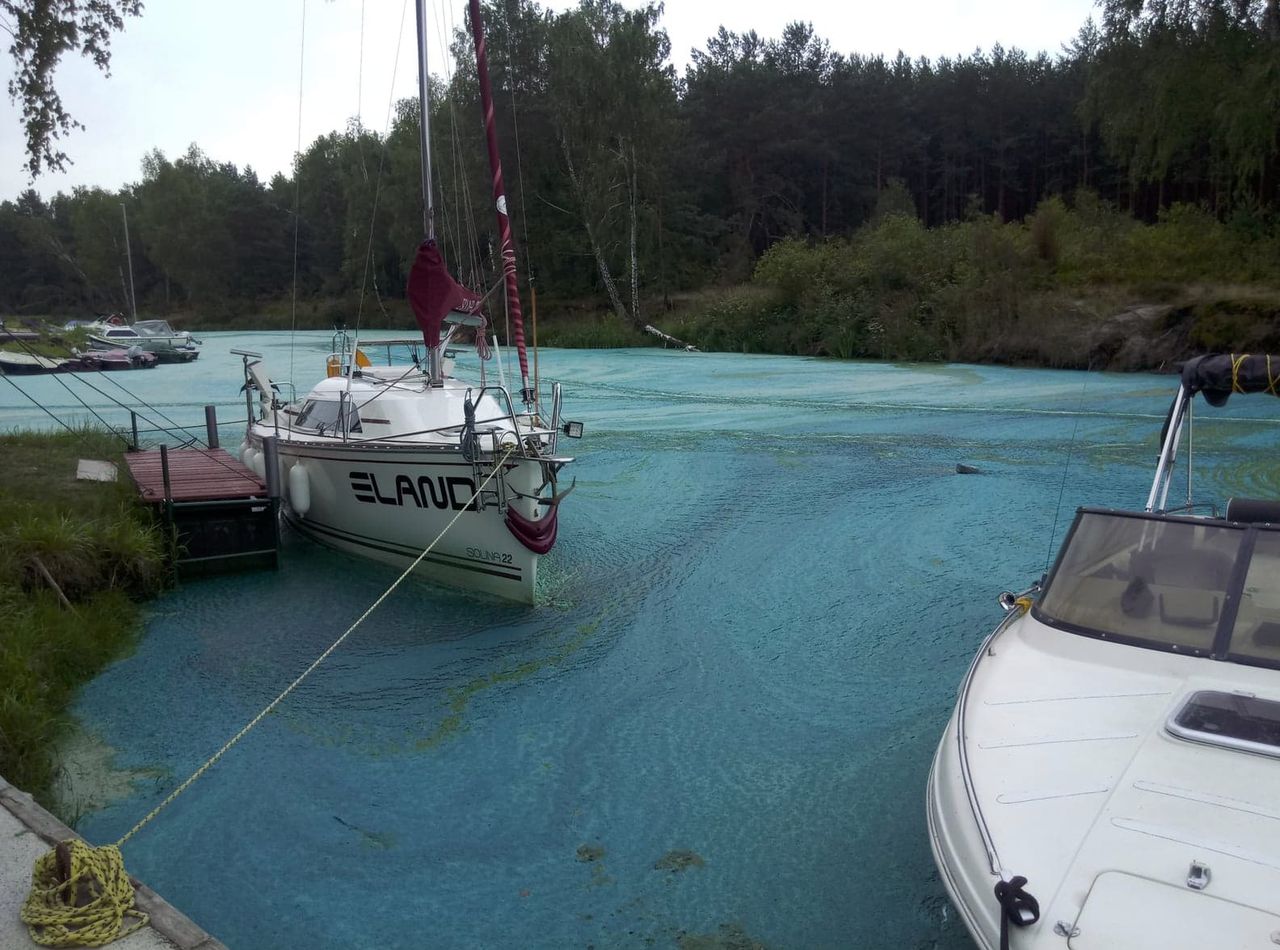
{"type": "Point", "coordinates": [1127, 912]}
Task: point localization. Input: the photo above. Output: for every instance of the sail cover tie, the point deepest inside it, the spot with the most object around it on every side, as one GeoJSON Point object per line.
{"type": "Point", "coordinates": [433, 292]}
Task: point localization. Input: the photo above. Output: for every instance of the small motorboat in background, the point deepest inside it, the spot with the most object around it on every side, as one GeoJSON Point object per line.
{"type": "Point", "coordinates": [153, 336]}
{"type": "Point", "coordinates": [29, 364]}
{"type": "Point", "coordinates": [132, 358]}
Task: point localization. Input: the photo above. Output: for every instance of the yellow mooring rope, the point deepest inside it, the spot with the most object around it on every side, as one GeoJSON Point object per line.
{"type": "Point", "coordinates": [80, 895]}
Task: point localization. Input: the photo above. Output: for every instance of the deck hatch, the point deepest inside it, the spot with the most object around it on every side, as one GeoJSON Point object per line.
{"type": "Point", "coordinates": [1232, 720]}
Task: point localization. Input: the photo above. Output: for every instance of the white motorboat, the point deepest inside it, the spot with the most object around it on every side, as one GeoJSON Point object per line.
{"type": "Point", "coordinates": [153, 336]}
{"type": "Point", "coordinates": [379, 460]}
{"type": "Point", "coordinates": [1110, 777]}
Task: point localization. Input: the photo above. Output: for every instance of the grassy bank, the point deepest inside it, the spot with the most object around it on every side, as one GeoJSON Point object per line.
{"type": "Point", "coordinates": [102, 552]}
{"type": "Point", "coordinates": [1068, 287]}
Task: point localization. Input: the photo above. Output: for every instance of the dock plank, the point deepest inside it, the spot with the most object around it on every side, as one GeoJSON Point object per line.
{"type": "Point", "coordinates": [194, 475]}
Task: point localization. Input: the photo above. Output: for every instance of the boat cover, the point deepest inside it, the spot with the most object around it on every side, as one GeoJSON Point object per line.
{"type": "Point", "coordinates": [1218, 375]}
{"type": "Point", "coordinates": [433, 293]}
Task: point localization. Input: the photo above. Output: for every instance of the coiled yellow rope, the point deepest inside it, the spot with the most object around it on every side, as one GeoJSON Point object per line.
{"type": "Point", "coordinates": [83, 903]}
{"type": "Point", "coordinates": [97, 879]}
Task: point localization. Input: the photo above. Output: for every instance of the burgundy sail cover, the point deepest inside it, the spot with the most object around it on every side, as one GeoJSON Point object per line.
{"type": "Point", "coordinates": [433, 292]}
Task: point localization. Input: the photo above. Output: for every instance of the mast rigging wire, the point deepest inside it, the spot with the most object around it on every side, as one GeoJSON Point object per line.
{"type": "Point", "coordinates": [1057, 509]}
{"type": "Point", "coordinates": [108, 377]}
{"type": "Point", "coordinates": [377, 192]}
{"type": "Point", "coordinates": [297, 191]}
{"type": "Point", "coordinates": [104, 422]}
{"type": "Point", "coordinates": [9, 379]}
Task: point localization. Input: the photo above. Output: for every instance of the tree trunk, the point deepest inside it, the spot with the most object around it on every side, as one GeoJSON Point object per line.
{"type": "Point", "coordinates": [635, 264]}
{"type": "Point", "coordinates": [824, 197]}
{"type": "Point", "coordinates": [662, 257]}
{"type": "Point", "coordinates": [611, 288]}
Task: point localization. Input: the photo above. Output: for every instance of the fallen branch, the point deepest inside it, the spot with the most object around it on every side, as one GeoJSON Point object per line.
{"type": "Point", "coordinates": [668, 338]}
{"type": "Point", "coordinates": [44, 572]}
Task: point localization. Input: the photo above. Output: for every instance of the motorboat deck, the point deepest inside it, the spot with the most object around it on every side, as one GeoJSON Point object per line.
{"type": "Point", "coordinates": [1112, 767]}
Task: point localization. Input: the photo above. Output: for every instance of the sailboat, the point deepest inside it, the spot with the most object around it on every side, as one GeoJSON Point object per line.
{"type": "Point", "coordinates": [1110, 777]}
{"type": "Point", "coordinates": [378, 459]}
{"type": "Point", "coordinates": [113, 332]}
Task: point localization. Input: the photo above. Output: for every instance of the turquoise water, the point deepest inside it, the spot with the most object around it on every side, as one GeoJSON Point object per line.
{"type": "Point", "coordinates": [768, 584]}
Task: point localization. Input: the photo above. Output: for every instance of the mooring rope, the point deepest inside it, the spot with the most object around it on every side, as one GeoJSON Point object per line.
{"type": "Point", "coordinates": [80, 897]}
{"type": "Point", "coordinates": [96, 877]}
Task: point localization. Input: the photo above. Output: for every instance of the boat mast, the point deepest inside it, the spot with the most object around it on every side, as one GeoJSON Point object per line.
{"type": "Point", "coordinates": [435, 364]}
{"type": "Point", "coordinates": [500, 201]}
{"type": "Point", "coordinates": [133, 300]}
{"type": "Point", "coordinates": [424, 125]}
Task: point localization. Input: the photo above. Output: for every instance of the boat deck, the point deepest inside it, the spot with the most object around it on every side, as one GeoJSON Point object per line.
{"type": "Point", "coordinates": [194, 475]}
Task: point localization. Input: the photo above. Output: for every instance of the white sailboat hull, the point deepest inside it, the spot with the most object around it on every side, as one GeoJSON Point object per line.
{"type": "Point", "coordinates": [390, 504]}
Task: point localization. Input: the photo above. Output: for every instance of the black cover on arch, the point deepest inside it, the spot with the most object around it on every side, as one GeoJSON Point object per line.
{"type": "Point", "coordinates": [1218, 375]}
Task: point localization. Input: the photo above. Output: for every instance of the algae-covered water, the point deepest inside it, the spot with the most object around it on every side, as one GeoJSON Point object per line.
{"type": "Point", "coordinates": [713, 731]}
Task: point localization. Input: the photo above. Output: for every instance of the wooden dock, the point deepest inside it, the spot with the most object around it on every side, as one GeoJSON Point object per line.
{"type": "Point", "coordinates": [221, 514]}
{"type": "Point", "coordinates": [194, 475]}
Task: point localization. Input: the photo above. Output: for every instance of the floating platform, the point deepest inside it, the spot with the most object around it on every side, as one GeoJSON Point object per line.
{"type": "Point", "coordinates": [222, 515]}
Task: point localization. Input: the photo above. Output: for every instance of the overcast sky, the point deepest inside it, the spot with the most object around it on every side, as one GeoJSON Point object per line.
{"type": "Point", "coordinates": [225, 75]}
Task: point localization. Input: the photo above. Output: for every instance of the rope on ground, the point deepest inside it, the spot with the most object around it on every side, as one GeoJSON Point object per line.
{"type": "Point", "coordinates": [80, 897]}
{"type": "Point", "coordinates": [51, 912]}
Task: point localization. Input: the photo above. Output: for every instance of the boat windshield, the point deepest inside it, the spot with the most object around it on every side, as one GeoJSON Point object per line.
{"type": "Point", "coordinates": [1170, 584]}
{"type": "Point", "coordinates": [322, 415]}
{"type": "Point", "coordinates": [154, 328]}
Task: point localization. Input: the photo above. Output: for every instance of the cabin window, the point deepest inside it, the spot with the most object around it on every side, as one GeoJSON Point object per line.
{"type": "Point", "coordinates": [1149, 581]}
{"type": "Point", "coordinates": [1234, 720]}
{"type": "Point", "coordinates": [322, 415]}
{"type": "Point", "coordinates": [121, 333]}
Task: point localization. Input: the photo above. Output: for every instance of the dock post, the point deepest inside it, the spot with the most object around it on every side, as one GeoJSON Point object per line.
{"type": "Point", "coordinates": [133, 422]}
{"type": "Point", "coordinates": [168, 508]}
{"type": "Point", "coordinates": [211, 426]}
{"type": "Point", "coordinates": [164, 470]}
{"type": "Point", "coordinates": [271, 466]}
{"type": "Point", "coordinates": [271, 470]}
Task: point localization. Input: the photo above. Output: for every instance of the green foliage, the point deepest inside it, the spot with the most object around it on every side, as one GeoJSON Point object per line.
{"type": "Point", "coordinates": [983, 290]}
{"type": "Point", "coordinates": [46, 654]}
{"type": "Point", "coordinates": [42, 31]}
{"type": "Point", "coordinates": [1236, 324]}
{"type": "Point", "coordinates": [101, 550]}
{"type": "Point", "coordinates": [597, 331]}
{"type": "Point", "coordinates": [840, 180]}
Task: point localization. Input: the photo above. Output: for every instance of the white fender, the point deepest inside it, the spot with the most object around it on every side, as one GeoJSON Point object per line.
{"type": "Point", "coordinates": [244, 447]}
{"type": "Point", "coordinates": [299, 489]}
{"type": "Point", "coordinates": [259, 464]}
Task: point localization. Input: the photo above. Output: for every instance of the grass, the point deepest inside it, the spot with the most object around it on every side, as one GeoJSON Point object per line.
{"type": "Point", "coordinates": [54, 342]}
{"type": "Point", "coordinates": [577, 330]}
{"type": "Point", "coordinates": [104, 554]}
